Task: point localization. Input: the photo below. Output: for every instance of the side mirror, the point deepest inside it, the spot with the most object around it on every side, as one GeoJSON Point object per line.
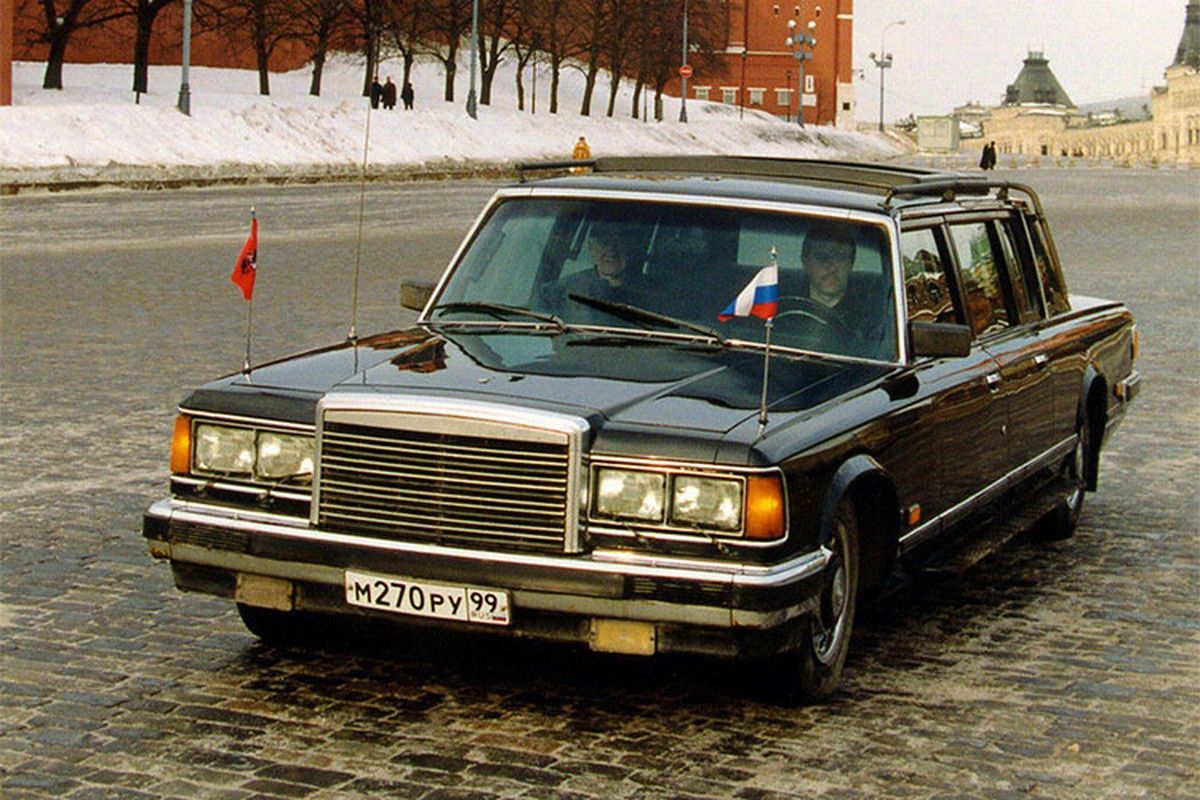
{"type": "Point", "coordinates": [939, 339]}
{"type": "Point", "coordinates": [415, 294]}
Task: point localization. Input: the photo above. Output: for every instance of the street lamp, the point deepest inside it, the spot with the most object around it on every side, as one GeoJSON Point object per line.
{"type": "Point", "coordinates": [474, 58]}
{"type": "Point", "coordinates": [798, 42]}
{"type": "Point", "coordinates": [884, 61]}
{"type": "Point", "coordinates": [683, 70]}
{"type": "Point", "coordinates": [184, 103]}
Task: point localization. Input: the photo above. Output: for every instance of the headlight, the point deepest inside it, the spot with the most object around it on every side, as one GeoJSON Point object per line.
{"type": "Point", "coordinates": [281, 455]}
{"type": "Point", "coordinates": [747, 506]}
{"type": "Point", "coordinates": [701, 502]}
{"type": "Point", "coordinates": [224, 450]}
{"type": "Point", "coordinates": [626, 494]}
{"type": "Point", "coordinates": [241, 452]}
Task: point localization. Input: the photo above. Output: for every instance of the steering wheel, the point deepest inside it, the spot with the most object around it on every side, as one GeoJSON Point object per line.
{"type": "Point", "coordinates": [807, 308]}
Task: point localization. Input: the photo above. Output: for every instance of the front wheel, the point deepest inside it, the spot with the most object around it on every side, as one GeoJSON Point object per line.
{"type": "Point", "coordinates": [812, 670]}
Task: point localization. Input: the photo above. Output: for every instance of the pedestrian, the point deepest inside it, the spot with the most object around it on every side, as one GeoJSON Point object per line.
{"type": "Point", "coordinates": [987, 159]}
{"type": "Point", "coordinates": [376, 92]}
{"type": "Point", "coordinates": [581, 153]}
{"type": "Point", "coordinates": [389, 94]}
{"type": "Point", "coordinates": [406, 94]}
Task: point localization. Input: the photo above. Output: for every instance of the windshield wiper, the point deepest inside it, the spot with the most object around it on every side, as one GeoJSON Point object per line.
{"type": "Point", "coordinates": [636, 314]}
{"type": "Point", "coordinates": [501, 311]}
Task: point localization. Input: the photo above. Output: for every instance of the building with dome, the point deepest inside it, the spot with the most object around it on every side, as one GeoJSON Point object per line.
{"type": "Point", "coordinates": [1037, 117]}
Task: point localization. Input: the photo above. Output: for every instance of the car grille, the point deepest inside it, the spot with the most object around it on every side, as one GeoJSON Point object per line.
{"type": "Point", "coordinates": [462, 482]}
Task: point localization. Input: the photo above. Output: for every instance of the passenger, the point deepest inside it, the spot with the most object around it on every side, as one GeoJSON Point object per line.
{"type": "Point", "coordinates": [610, 277]}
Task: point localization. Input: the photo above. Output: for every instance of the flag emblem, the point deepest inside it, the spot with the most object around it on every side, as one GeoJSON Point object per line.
{"type": "Point", "coordinates": [246, 268]}
{"type": "Point", "coordinates": [760, 298]}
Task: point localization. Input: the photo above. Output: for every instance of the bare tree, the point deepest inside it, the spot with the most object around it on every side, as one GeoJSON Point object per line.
{"type": "Point", "coordinates": [526, 42]}
{"type": "Point", "coordinates": [496, 22]}
{"type": "Point", "coordinates": [58, 20]}
{"type": "Point", "coordinates": [370, 15]}
{"type": "Point", "coordinates": [406, 26]}
{"type": "Point", "coordinates": [318, 23]}
{"type": "Point", "coordinates": [145, 12]}
{"type": "Point", "coordinates": [265, 23]}
{"type": "Point", "coordinates": [451, 22]}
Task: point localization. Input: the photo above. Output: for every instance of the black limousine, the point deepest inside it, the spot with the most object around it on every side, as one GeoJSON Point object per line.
{"type": "Point", "coordinates": [682, 404]}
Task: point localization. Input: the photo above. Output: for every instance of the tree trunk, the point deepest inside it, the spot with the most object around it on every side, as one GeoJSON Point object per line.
{"type": "Point", "coordinates": [262, 55]}
{"type": "Point", "coordinates": [554, 70]}
{"type": "Point", "coordinates": [54, 60]}
{"type": "Point", "coordinates": [141, 46]}
{"type": "Point", "coordinates": [634, 110]}
{"type": "Point", "coordinates": [318, 69]}
{"type": "Point", "coordinates": [451, 66]}
{"type": "Point", "coordinates": [589, 86]}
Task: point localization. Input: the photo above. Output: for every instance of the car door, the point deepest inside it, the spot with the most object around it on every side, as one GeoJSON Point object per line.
{"type": "Point", "coordinates": [1026, 385]}
{"type": "Point", "coordinates": [963, 419]}
{"type": "Point", "coordinates": [976, 456]}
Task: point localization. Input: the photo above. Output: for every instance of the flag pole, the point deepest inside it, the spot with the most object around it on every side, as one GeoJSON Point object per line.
{"type": "Point", "coordinates": [762, 408]}
{"type": "Point", "coordinates": [768, 325]}
{"type": "Point", "coordinates": [250, 305]}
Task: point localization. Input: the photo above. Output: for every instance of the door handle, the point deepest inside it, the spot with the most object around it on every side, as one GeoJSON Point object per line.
{"type": "Point", "coordinates": [1041, 360]}
{"type": "Point", "coordinates": [993, 381]}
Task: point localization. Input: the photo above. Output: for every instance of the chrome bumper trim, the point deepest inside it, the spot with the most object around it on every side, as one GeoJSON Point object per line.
{"type": "Point", "coordinates": [601, 563]}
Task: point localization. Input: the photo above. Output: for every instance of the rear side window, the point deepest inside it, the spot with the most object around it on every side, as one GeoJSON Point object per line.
{"type": "Point", "coordinates": [926, 285]}
{"type": "Point", "coordinates": [1053, 288]}
{"type": "Point", "coordinates": [979, 266]}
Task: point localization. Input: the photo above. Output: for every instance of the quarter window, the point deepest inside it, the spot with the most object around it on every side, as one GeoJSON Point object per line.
{"type": "Point", "coordinates": [979, 266]}
{"type": "Point", "coordinates": [925, 282]}
{"type": "Point", "coordinates": [1052, 284]}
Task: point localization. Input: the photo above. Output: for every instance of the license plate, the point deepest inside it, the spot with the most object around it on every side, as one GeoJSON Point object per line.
{"type": "Point", "coordinates": [423, 599]}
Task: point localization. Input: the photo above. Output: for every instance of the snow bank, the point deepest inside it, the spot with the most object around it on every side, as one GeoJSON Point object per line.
{"type": "Point", "coordinates": [94, 131]}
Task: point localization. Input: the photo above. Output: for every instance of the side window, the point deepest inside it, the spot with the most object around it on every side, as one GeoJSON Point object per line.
{"type": "Point", "coordinates": [1052, 284]}
{"type": "Point", "coordinates": [926, 287]}
{"type": "Point", "coordinates": [1021, 271]}
{"type": "Point", "coordinates": [979, 266]}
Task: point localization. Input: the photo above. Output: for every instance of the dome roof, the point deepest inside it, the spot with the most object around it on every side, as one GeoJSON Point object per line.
{"type": "Point", "coordinates": [1036, 85]}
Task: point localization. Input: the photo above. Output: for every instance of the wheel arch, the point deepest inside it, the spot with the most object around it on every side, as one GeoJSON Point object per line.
{"type": "Point", "coordinates": [869, 487]}
{"type": "Point", "coordinates": [1093, 412]}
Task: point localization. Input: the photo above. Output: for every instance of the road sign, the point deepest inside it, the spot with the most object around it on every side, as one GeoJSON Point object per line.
{"type": "Point", "coordinates": [685, 71]}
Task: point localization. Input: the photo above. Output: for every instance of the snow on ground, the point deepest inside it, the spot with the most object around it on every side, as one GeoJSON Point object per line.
{"type": "Point", "coordinates": [92, 130]}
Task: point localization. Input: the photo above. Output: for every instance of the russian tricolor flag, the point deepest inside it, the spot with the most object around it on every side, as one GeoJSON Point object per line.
{"type": "Point", "coordinates": [760, 298]}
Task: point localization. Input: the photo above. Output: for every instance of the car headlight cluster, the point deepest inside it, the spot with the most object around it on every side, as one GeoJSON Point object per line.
{"type": "Point", "coordinates": [227, 450]}
{"type": "Point", "coordinates": [735, 505]}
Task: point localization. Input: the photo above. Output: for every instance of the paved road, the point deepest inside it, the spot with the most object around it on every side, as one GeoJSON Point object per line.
{"type": "Point", "coordinates": [1064, 671]}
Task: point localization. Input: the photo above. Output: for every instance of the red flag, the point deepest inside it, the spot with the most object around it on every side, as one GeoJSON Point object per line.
{"type": "Point", "coordinates": [247, 264]}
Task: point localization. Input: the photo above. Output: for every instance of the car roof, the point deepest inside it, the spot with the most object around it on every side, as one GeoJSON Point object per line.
{"type": "Point", "coordinates": [860, 186]}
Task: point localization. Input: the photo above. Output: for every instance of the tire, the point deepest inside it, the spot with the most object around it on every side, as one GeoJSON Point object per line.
{"type": "Point", "coordinates": [277, 627]}
{"type": "Point", "coordinates": [812, 670]}
{"type": "Point", "coordinates": [1061, 522]}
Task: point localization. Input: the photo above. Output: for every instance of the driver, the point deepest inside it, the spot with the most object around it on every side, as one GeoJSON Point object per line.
{"type": "Point", "coordinates": [828, 256]}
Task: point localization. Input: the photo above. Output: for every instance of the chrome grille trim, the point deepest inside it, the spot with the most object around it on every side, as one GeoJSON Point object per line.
{"type": "Point", "coordinates": [459, 473]}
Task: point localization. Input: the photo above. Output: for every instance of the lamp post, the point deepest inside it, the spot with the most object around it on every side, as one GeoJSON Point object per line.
{"type": "Point", "coordinates": [471, 112]}
{"type": "Point", "coordinates": [185, 90]}
{"type": "Point", "coordinates": [884, 62]}
{"type": "Point", "coordinates": [798, 41]}
{"type": "Point", "coordinates": [683, 69]}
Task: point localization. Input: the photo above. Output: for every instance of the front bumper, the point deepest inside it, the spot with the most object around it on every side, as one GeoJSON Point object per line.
{"type": "Point", "coordinates": [686, 605]}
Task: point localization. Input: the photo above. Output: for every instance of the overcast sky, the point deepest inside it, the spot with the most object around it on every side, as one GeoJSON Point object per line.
{"type": "Point", "coordinates": [949, 52]}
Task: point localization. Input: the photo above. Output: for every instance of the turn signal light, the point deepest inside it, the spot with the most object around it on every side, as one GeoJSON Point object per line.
{"type": "Point", "coordinates": [181, 446]}
{"type": "Point", "coordinates": [764, 508]}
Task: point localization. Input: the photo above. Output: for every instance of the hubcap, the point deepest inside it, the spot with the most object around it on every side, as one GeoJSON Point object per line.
{"type": "Point", "coordinates": [829, 620]}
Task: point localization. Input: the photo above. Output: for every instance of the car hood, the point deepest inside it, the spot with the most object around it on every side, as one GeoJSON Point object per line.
{"type": "Point", "coordinates": [614, 381]}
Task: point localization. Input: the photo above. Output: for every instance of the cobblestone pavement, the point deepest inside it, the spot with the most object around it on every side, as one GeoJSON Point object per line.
{"type": "Point", "coordinates": [1061, 671]}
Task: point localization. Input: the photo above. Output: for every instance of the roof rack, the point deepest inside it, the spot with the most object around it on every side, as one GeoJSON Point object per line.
{"type": "Point", "coordinates": [881, 177]}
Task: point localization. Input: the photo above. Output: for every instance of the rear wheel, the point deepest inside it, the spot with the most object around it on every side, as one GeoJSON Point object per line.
{"type": "Point", "coordinates": [813, 669]}
{"type": "Point", "coordinates": [1061, 522]}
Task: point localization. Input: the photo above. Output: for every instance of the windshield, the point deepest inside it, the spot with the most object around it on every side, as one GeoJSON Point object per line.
{"type": "Point", "coordinates": [597, 262]}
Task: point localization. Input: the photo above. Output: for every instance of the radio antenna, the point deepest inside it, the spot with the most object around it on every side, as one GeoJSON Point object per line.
{"type": "Point", "coordinates": [362, 202]}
